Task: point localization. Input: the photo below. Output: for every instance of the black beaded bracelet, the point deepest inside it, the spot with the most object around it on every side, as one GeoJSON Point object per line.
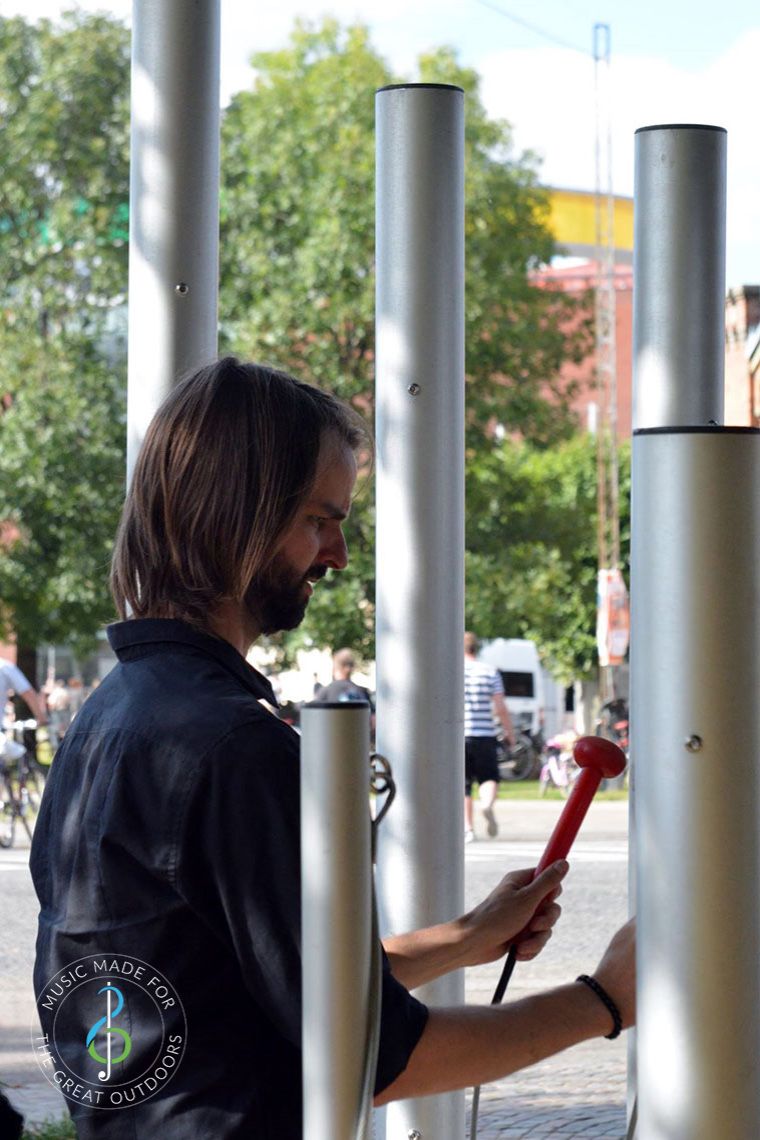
{"type": "Point", "coordinates": [604, 997]}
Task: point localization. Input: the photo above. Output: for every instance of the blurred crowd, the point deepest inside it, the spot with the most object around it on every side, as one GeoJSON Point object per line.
{"type": "Point", "coordinates": [61, 699]}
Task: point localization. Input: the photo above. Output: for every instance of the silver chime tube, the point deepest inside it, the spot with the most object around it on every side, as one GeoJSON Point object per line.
{"type": "Point", "coordinates": [340, 948]}
{"type": "Point", "coordinates": [420, 530]}
{"type": "Point", "coordinates": [695, 664]}
{"type": "Point", "coordinates": [173, 201]}
{"type": "Point", "coordinates": [696, 744]}
{"type": "Point", "coordinates": [679, 275]}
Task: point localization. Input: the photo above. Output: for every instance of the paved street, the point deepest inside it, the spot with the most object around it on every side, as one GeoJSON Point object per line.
{"type": "Point", "coordinates": [579, 1094]}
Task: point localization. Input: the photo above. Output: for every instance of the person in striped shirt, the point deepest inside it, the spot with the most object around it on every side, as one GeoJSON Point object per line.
{"type": "Point", "coordinates": [484, 703]}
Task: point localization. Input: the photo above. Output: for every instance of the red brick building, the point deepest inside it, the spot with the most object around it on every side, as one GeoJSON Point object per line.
{"type": "Point", "coordinates": [581, 279]}
{"type": "Point", "coordinates": [573, 220]}
{"type": "Point", "coordinates": [742, 369]}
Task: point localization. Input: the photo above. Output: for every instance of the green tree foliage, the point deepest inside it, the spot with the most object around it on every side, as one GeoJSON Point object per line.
{"type": "Point", "coordinates": [298, 291]}
{"type": "Point", "coordinates": [64, 131]}
{"type": "Point", "coordinates": [297, 210]}
{"type": "Point", "coordinates": [518, 334]}
{"type": "Point", "coordinates": [61, 487]}
{"type": "Point", "coordinates": [64, 134]}
{"type": "Point", "coordinates": [298, 234]}
{"type": "Point", "coordinates": [532, 548]}
{"type": "Point", "coordinates": [298, 262]}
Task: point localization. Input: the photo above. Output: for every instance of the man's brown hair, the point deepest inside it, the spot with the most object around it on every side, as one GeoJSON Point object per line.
{"type": "Point", "coordinates": [226, 462]}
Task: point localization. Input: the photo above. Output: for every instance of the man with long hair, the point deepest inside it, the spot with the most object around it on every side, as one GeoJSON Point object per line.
{"type": "Point", "coordinates": [168, 840]}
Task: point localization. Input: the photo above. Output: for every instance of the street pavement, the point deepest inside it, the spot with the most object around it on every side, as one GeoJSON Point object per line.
{"type": "Point", "coordinates": [580, 1093]}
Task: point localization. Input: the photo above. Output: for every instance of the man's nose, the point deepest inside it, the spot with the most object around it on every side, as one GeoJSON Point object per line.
{"type": "Point", "coordinates": [335, 553]}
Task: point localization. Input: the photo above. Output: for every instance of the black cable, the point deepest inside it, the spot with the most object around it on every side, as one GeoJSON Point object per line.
{"type": "Point", "coordinates": [498, 994]}
{"type": "Point", "coordinates": [506, 974]}
{"type": "Point", "coordinates": [533, 28]}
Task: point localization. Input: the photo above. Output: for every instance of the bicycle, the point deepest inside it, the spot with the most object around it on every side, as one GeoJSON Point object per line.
{"type": "Point", "coordinates": [559, 770]}
{"type": "Point", "coordinates": [522, 760]}
{"type": "Point", "coordinates": [21, 785]}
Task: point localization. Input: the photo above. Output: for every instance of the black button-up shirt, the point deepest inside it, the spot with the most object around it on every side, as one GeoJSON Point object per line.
{"type": "Point", "coordinates": [169, 835]}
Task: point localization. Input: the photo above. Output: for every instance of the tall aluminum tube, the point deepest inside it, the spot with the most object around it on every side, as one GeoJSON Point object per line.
{"type": "Point", "coordinates": [420, 530]}
{"type": "Point", "coordinates": [695, 663]}
{"type": "Point", "coordinates": [695, 579]}
{"type": "Point", "coordinates": [174, 200]}
{"type": "Point", "coordinates": [340, 970]}
{"type": "Point", "coordinates": [679, 275]}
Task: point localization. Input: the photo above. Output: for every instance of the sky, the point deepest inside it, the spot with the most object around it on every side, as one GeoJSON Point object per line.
{"type": "Point", "coordinates": [672, 61]}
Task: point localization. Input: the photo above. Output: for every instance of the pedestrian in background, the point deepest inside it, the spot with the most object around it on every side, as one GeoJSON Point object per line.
{"type": "Point", "coordinates": [342, 687]}
{"type": "Point", "coordinates": [12, 680]}
{"type": "Point", "coordinates": [483, 701]}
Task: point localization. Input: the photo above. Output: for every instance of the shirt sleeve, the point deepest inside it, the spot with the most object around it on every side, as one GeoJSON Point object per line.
{"type": "Point", "coordinates": [497, 685]}
{"type": "Point", "coordinates": [402, 1021]}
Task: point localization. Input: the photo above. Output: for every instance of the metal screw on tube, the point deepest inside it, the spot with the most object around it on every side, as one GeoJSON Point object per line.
{"type": "Point", "coordinates": [693, 743]}
{"type": "Point", "coordinates": [414, 390]}
{"type": "Point", "coordinates": [414, 1135]}
{"type": "Point", "coordinates": [182, 288]}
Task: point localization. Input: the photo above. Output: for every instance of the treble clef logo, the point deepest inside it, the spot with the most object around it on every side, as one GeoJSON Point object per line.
{"type": "Point", "coordinates": [104, 1023]}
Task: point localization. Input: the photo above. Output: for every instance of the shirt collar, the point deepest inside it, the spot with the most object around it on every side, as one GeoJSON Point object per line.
{"type": "Point", "coordinates": [126, 635]}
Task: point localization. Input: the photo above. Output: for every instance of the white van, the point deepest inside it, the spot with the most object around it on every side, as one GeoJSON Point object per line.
{"type": "Point", "coordinates": [520, 669]}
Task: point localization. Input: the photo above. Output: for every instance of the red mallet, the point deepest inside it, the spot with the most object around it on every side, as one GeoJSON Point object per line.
{"type": "Point", "coordinates": [598, 759]}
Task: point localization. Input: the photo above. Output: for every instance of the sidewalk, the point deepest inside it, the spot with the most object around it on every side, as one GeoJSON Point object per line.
{"type": "Point", "coordinates": [533, 820]}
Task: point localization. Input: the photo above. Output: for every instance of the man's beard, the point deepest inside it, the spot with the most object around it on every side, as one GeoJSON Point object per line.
{"type": "Point", "coordinates": [277, 598]}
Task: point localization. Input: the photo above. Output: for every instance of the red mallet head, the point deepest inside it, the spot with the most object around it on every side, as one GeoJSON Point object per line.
{"type": "Point", "coordinates": [596, 752]}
